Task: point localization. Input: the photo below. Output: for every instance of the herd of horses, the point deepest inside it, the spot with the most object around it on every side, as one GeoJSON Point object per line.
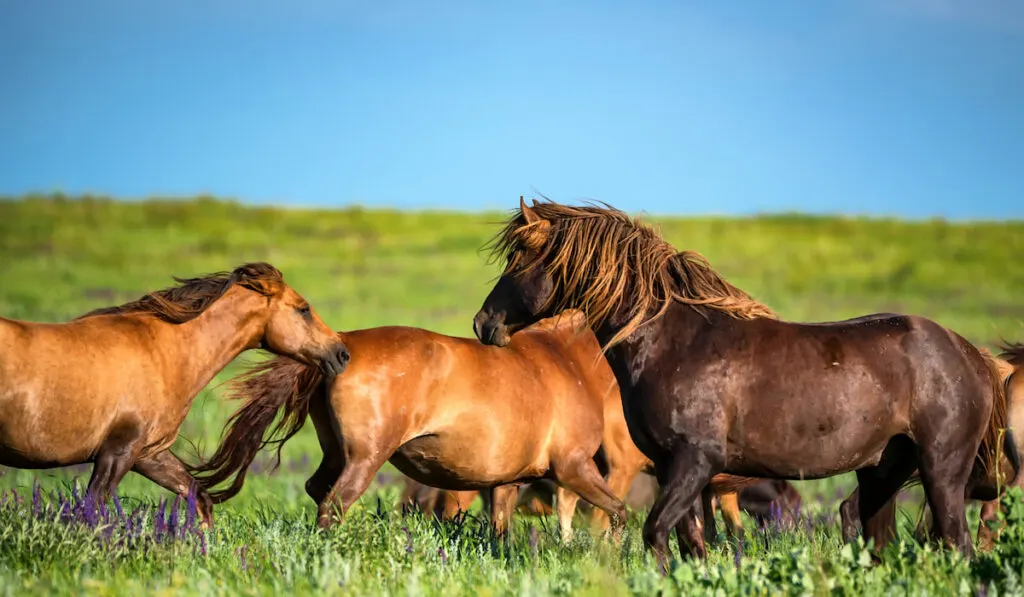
{"type": "Point", "coordinates": [601, 353]}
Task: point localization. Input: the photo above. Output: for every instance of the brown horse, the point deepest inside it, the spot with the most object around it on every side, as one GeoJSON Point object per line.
{"type": "Point", "coordinates": [113, 386]}
{"type": "Point", "coordinates": [988, 487]}
{"type": "Point", "coordinates": [712, 381]}
{"type": "Point", "coordinates": [448, 412]}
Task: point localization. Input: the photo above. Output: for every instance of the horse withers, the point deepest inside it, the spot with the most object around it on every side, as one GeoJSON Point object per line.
{"type": "Point", "coordinates": [713, 382]}
{"type": "Point", "coordinates": [113, 386]}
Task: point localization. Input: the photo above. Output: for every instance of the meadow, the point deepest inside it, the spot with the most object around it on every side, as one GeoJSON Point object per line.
{"type": "Point", "coordinates": [61, 256]}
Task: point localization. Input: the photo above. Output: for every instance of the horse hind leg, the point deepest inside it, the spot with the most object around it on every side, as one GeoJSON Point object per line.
{"type": "Point", "coordinates": [320, 483]}
{"type": "Point", "coordinates": [168, 471]}
{"type": "Point", "coordinates": [944, 479]}
{"type": "Point", "coordinates": [581, 476]}
{"type": "Point", "coordinates": [849, 516]}
{"type": "Point", "coordinates": [692, 529]}
{"type": "Point", "coordinates": [503, 504]}
{"type": "Point", "coordinates": [619, 480]}
{"type": "Point", "coordinates": [878, 487]}
{"type": "Point", "coordinates": [730, 505]}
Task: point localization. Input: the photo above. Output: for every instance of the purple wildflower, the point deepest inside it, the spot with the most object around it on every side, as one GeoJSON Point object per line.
{"type": "Point", "coordinates": [202, 541]}
{"type": "Point", "coordinates": [444, 556]}
{"type": "Point", "coordinates": [37, 495]}
{"type": "Point", "coordinates": [408, 539]}
{"type": "Point", "coordinates": [159, 525]}
{"type": "Point", "coordinates": [191, 507]}
{"type": "Point", "coordinates": [172, 524]}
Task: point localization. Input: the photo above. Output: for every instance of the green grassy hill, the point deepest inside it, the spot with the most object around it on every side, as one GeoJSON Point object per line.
{"type": "Point", "coordinates": [60, 257]}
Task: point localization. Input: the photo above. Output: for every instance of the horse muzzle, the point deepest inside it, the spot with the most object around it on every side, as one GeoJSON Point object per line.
{"type": "Point", "coordinates": [490, 331]}
{"type": "Point", "coordinates": [336, 361]}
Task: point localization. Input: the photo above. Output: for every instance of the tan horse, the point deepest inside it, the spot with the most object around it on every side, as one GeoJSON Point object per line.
{"type": "Point", "coordinates": [449, 413]}
{"type": "Point", "coordinates": [113, 386]}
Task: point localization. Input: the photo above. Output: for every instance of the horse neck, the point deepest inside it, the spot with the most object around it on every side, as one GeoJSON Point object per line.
{"type": "Point", "coordinates": [680, 325]}
{"type": "Point", "coordinates": [205, 345]}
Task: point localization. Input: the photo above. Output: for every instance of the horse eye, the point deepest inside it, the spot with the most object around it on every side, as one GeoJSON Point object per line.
{"type": "Point", "coordinates": [303, 310]}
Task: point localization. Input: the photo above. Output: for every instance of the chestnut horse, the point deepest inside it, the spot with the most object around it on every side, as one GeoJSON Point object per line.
{"type": "Point", "coordinates": [113, 386]}
{"type": "Point", "coordinates": [712, 381]}
{"type": "Point", "coordinates": [448, 412]}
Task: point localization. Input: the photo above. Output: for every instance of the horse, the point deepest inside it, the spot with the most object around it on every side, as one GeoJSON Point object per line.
{"type": "Point", "coordinates": [987, 489]}
{"type": "Point", "coordinates": [712, 381]}
{"type": "Point", "coordinates": [448, 412]}
{"type": "Point", "coordinates": [113, 386]}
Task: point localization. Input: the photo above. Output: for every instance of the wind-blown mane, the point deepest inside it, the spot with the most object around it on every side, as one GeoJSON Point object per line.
{"type": "Point", "coordinates": [601, 261]}
{"type": "Point", "coordinates": [192, 296]}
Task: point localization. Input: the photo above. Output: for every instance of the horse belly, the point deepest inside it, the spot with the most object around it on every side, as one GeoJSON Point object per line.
{"type": "Point", "coordinates": [44, 425]}
{"type": "Point", "coordinates": [462, 461]}
{"type": "Point", "coordinates": [810, 444]}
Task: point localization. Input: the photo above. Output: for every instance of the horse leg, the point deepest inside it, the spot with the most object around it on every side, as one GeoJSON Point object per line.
{"type": "Point", "coordinates": [456, 502]}
{"type": "Point", "coordinates": [360, 467]}
{"type": "Point", "coordinates": [688, 470]}
{"type": "Point", "coordinates": [944, 478]}
{"type": "Point", "coordinates": [618, 481]}
{"type": "Point", "coordinates": [114, 459]}
{"type": "Point", "coordinates": [707, 518]}
{"type": "Point", "coordinates": [730, 505]}
{"type": "Point", "coordinates": [503, 504]}
{"type": "Point", "coordinates": [581, 476]}
{"type": "Point", "coordinates": [878, 487]}
{"type": "Point", "coordinates": [319, 485]}
{"type": "Point", "coordinates": [565, 502]}
{"type": "Point", "coordinates": [168, 471]}
{"type": "Point", "coordinates": [849, 516]}
{"type": "Point", "coordinates": [332, 463]}
{"type": "Point", "coordinates": [691, 530]}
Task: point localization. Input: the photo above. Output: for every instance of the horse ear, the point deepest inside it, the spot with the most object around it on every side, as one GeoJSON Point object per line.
{"type": "Point", "coordinates": [528, 213]}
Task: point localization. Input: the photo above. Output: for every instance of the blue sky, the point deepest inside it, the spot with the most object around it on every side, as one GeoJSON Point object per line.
{"type": "Point", "coordinates": [885, 107]}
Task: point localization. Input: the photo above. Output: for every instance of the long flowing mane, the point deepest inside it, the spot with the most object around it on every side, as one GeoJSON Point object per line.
{"type": "Point", "coordinates": [603, 261]}
{"type": "Point", "coordinates": [192, 296]}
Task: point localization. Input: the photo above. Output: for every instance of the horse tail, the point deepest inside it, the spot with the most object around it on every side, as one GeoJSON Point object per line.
{"type": "Point", "coordinates": [725, 483]}
{"type": "Point", "coordinates": [998, 438]}
{"type": "Point", "coordinates": [280, 384]}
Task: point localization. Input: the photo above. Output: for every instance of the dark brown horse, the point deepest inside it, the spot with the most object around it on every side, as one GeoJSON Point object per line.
{"type": "Point", "coordinates": [113, 386]}
{"type": "Point", "coordinates": [713, 382]}
{"type": "Point", "coordinates": [448, 412]}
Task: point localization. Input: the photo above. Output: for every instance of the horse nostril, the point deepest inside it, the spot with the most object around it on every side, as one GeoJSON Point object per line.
{"type": "Point", "coordinates": [478, 325]}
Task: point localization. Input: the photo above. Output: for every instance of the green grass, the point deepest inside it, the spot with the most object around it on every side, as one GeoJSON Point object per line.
{"type": "Point", "coordinates": [60, 257]}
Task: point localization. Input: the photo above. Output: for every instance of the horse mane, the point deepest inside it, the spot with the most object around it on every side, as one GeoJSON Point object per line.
{"type": "Point", "coordinates": [192, 296]}
{"type": "Point", "coordinates": [601, 260]}
{"type": "Point", "coordinates": [1013, 353]}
